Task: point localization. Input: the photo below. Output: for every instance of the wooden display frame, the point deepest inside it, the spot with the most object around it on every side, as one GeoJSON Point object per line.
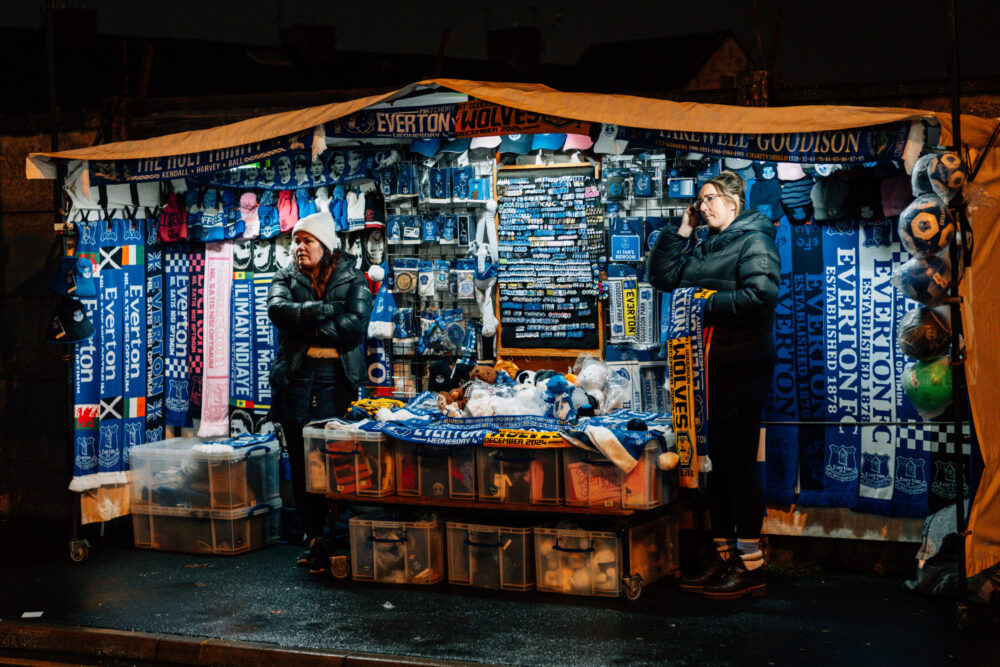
{"type": "Point", "coordinates": [507, 352]}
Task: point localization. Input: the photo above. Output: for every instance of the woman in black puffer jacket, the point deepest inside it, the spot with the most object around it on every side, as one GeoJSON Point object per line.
{"type": "Point", "coordinates": [739, 260]}
{"type": "Point", "coordinates": [320, 304]}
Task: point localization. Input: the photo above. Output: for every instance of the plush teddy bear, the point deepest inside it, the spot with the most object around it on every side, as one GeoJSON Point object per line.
{"type": "Point", "coordinates": [484, 373]}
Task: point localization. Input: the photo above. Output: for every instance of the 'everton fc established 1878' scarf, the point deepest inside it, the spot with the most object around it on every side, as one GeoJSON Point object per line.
{"type": "Point", "coordinates": [782, 444]}
{"type": "Point", "coordinates": [687, 351]}
{"type": "Point", "coordinates": [109, 454]}
{"type": "Point", "coordinates": [265, 341]}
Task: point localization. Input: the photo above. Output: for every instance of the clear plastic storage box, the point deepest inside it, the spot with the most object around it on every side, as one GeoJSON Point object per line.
{"type": "Point", "coordinates": [220, 532]}
{"type": "Point", "coordinates": [584, 561]}
{"type": "Point", "coordinates": [397, 548]}
{"type": "Point", "coordinates": [490, 556]}
{"type": "Point", "coordinates": [593, 480]}
{"type": "Point", "coordinates": [189, 473]}
{"type": "Point", "coordinates": [350, 463]}
{"type": "Point", "coordinates": [435, 472]}
{"type": "Point", "coordinates": [514, 475]}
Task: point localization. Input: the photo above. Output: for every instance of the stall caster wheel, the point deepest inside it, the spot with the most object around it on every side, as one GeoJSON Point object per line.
{"type": "Point", "coordinates": [340, 567]}
{"type": "Point", "coordinates": [962, 617]}
{"type": "Point", "coordinates": [633, 587]}
{"type": "Point", "coordinates": [79, 550]}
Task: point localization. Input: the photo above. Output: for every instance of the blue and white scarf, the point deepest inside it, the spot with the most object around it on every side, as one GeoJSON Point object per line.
{"type": "Point", "coordinates": [782, 441]}
{"type": "Point", "coordinates": [155, 331]}
{"type": "Point", "coordinates": [265, 335]}
{"type": "Point", "coordinates": [110, 457]}
{"type": "Point", "coordinates": [87, 360]}
{"type": "Point", "coordinates": [133, 265]}
{"type": "Point", "coordinates": [177, 279]}
{"type": "Point", "coordinates": [808, 297]}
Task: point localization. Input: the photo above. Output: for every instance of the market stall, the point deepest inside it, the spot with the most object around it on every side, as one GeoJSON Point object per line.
{"type": "Point", "coordinates": [187, 230]}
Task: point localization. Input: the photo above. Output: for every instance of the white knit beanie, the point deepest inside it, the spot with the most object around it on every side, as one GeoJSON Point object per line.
{"type": "Point", "coordinates": [321, 226]}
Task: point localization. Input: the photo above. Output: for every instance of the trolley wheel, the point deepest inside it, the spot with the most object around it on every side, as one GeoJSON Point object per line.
{"type": "Point", "coordinates": [79, 550]}
{"type": "Point", "coordinates": [340, 567]}
{"type": "Point", "coordinates": [633, 587]}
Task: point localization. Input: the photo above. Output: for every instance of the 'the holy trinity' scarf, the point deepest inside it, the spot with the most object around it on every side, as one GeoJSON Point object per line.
{"type": "Point", "coordinates": [687, 353]}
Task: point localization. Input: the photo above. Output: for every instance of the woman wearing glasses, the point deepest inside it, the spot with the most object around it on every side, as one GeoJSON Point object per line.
{"type": "Point", "coordinates": [738, 259]}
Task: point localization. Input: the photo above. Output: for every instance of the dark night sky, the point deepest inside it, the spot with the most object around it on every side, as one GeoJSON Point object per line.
{"type": "Point", "coordinates": [821, 41]}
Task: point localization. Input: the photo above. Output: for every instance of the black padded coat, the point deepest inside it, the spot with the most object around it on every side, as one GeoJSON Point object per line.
{"type": "Point", "coordinates": [742, 264]}
{"type": "Point", "coordinates": [339, 320]}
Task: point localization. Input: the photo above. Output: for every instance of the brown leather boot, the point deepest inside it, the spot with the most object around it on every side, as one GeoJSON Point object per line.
{"type": "Point", "coordinates": [717, 568]}
{"type": "Point", "coordinates": [739, 581]}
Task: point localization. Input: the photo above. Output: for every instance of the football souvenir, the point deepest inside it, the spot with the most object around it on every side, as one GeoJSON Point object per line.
{"type": "Point", "coordinates": [926, 226]}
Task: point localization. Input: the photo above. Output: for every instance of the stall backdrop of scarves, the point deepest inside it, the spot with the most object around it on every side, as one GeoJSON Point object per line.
{"type": "Point", "coordinates": [87, 373]}
{"type": "Point", "coordinates": [781, 469]}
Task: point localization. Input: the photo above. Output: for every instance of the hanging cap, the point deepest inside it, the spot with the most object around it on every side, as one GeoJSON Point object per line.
{"type": "Point", "coordinates": [577, 142]}
{"type": "Point", "coordinates": [427, 147]}
{"type": "Point", "coordinates": [790, 171]}
{"type": "Point", "coordinates": [549, 142]}
{"type": "Point", "coordinates": [484, 142]}
{"type": "Point", "coordinates": [74, 277]}
{"type": "Point", "coordinates": [515, 143]}
{"type": "Point", "coordinates": [69, 323]}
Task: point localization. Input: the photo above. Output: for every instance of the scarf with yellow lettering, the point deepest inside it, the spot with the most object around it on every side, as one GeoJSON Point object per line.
{"type": "Point", "coordinates": [687, 356]}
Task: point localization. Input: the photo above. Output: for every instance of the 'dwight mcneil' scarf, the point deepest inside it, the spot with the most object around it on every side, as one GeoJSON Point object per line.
{"type": "Point", "coordinates": [687, 356]}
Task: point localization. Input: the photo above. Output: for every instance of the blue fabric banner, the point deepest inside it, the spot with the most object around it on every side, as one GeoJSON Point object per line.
{"type": "Point", "coordinates": [854, 145]}
{"type": "Point", "coordinates": [265, 335]}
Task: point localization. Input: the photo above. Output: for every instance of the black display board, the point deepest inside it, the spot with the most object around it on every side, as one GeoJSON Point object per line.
{"type": "Point", "coordinates": [551, 237]}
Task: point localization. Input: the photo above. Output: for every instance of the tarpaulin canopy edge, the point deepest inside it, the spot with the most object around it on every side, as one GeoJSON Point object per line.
{"type": "Point", "coordinates": [626, 110]}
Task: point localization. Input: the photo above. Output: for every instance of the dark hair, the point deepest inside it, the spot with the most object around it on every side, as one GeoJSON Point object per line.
{"type": "Point", "coordinates": [732, 186]}
{"type": "Point", "coordinates": [327, 265]}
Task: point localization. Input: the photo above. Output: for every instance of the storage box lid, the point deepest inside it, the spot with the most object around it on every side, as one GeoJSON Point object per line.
{"type": "Point", "coordinates": [270, 505]}
{"type": "Point", "coordinates": [318, 430]}
{"type": "Point", "coordinates": [230, 449]}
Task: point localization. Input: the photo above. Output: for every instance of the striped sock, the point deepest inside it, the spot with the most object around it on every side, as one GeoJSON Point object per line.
{"type": "Point", "coordinates": [750, 553]}
{"type": "Point", "coordinates": [725, 546]}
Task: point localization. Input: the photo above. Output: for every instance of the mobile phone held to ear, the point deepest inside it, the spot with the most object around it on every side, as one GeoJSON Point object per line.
{"type": "Point", "coordinates": [694, 215]}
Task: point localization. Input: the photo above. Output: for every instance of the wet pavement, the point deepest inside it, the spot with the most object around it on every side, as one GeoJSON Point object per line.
{"type": "Point", "coordinates": [816, 618]}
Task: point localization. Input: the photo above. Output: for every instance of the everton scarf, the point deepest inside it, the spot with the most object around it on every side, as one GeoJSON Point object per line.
{"type": "Point", "coordinates": [808, 305]}
{"type": "Point", "coordinates": [175, 368]}
{"type": "Point", "coordinates": [110, 457]}
{"type": "Point", "coordinates": [781, 444]}
{"type": "Point", "coordinates": [878, 377]}
{"type": "Point", "coordinates": [215, 382]}
{"type": "Point", "coordinates": [155, 327]}
{"type": "Point", "coordinates": [196, 327]}
{"type": "Point", "coordinates": [87, 375]}
{"type": "Point", "coordinates": [265, 335]}
{"type": "Point", "coordinates": [133, 266]}
{"type": "Point", "coordinates": [687, 350]}
{"type": "Point", "coordinates": [921, 469]}
{"type": "Point", "coordinates": [841, 453]}
{"type": "Point", "coordinates": [241, 355]}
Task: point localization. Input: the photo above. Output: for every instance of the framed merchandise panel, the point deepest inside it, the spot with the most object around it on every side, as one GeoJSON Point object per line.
{"type": "Point", "coordinates": [551, 231]}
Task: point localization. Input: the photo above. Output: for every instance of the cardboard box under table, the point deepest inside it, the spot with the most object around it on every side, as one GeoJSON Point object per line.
{"type": "Point", "coordinates": [397, 548]}
{"type": "Point", "coordinates": [190, 473]}
{"type": "Point", "coordinates": [597, 560]}
{"type": "Point", "coordinates": [220, 532]}
{"type": "Point", "coordinates": [490, 556]}
{"type": "Point", "coordinates": [344, 462]}
{"type": "Point", "coordinates": [594, 481]}
{"type": "Point", "coordinates": [431, 471]}
{"type": "Point", "coordinates": [515, 475]}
